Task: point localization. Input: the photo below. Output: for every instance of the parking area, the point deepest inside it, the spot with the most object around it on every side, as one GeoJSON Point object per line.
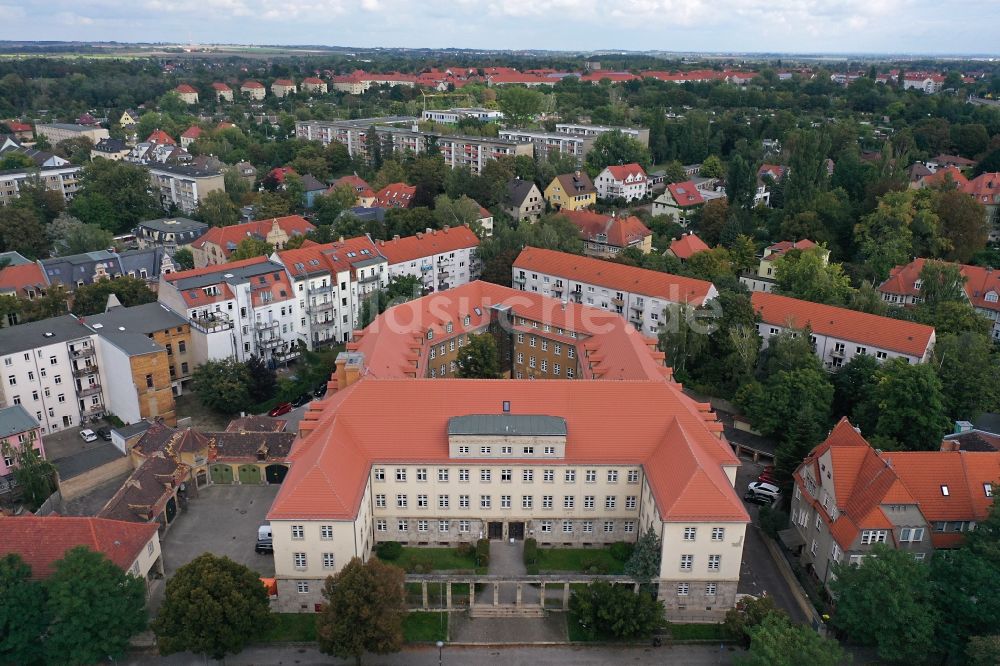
{"type": "Point", "coordinates": [68, 443]}
{"type": "Point", "coordinates": [222, 520]}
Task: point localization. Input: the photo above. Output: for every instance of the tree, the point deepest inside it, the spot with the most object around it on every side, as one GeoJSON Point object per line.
{"type": "Point", "coordinates": [479, 359]}
{"type": "Point", "coordinates": [884, 237]}
{"type": "Point", "coordinates": [983, 650]}
{"type": "Point", "coordinates": [51, 304]}
{"type": "Point", "coordinates": [391, 172]}
{"type": "Point", "coordinates": [680, 339]}
{"type": "Point", "coordinates": [853, 385]}
{"type": "Point", "coordinates": [93, 298]}
{"type": "Point", "coordinates": [76, 150]}
{"type": "Point", "coordinates": [778, 642]}
{"type": "Point", "coordinates": [910, 405]}
{"type": "Point", "coordinates": [711, 167]}
{"type": "Point", "coordinates": [749, 613]}
{"type": "Point", "coordinates": [16, 160]}
{"type": "Point", "coordinates": [216, 209]}
{"type": "Point", "coordinates": [711, 220]}
{"type": "Point", "coordinates": [519, 105]}
{"type": "Point", "coordinates": [270, 205]}
{"type": "Point", "coordinates": [771, 406]}
{"type": "Point", "coordinates": [941, 282]}
{"type": "Point", "coordinates": [427, 174]}
{"type": "Point", "coordinates": [22, 231]}
{"type": "Point", "coordinates": [328, 207]}
{"type": "Point", "coordinates": [250, 247]}
{"type": "Point", "coordinates": [886, 602]}
{"type": "Point", "coordinates": [94, 608]}
{"type": "Point", "coordinates": [223, 385]}
{"type": "Point", "coordinates": [456, 212]}
{"type": "Point", "coordinates": [183, 259]}
{"type": "Point", "coordinates": [969, 372]}
{"type": "Point", "coordinates": [69, 236]}
{"type": "Point", "coordinates": [741, 183]}
{"type": "Point", "coordinates": [675, 172]}
{"type": "Point", "coordinates": [213, 606]}
{"type": "Point", "coordinates": [615, 611]}
{"type": "Point", "coordinates": [644, 563]}
{"type": "Point", "coordinates": [613, 148]}
{"type": "Point", "coordinates": [23, 619]}
{"type": "Point", "coordinates": [807, 274]}
{"type": "Point", "coordinates": [34, 474]}
{"type": "Point", "coordinates": [963, 224]}
{"type": "Point", "coordinates": [263, 380]}
{"type": "Point", "coordinates": [126, 189]}
{"type": "Point", "coordinates": [807, 174]}
{"type": "Point", "coordinates": [364, 610]}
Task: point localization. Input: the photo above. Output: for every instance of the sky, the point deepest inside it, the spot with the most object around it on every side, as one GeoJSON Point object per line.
{"type": "Point", "coordinates": [788, 26]}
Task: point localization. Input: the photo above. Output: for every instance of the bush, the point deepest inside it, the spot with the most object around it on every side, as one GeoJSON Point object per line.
{"type": "Point", "coordinates": [389, 550]}
{"type": "Point", "coordinates": [531, 569]}
{"type": "Point", "coordinates": [530, 552]}
{"type": "Point", "coordinates": [465, 549]}
{"type": "Point", "coordinates": [483, 553]}
{"type": "Point", "coordinates": [621, 551]}
{"type": "Point", "coordinates": [419, 565]}
{"type": "Point", "coordinates": [593, 566]}
{"type": "Point", "coordinates": [772, 520]}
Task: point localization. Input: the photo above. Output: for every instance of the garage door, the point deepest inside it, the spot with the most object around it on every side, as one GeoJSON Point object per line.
{"type": "Point", "coordinates": [222, 474]}
{"type": "Point", "coordinates": [275, 473]}
{"type": "Point", "coordinates": [249, 474]}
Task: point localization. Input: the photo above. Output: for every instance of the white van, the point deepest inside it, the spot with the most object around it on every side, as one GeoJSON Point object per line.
{"type": "Point", "coordinates": [264, 532]}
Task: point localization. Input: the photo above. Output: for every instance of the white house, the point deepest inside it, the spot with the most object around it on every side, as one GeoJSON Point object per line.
{"type": "Point", "coordinates": [626, 181]}
{"type": "Point", "coordinates": [441, 258]}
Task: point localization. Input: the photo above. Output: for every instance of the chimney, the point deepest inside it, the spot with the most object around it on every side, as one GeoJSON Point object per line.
{"type": "Point", "coordinates": [350, 367]}
{"type": "Point", "coordinates": [419, 235]}
{"type": "Point", "coordinates": [395, 237]}
{"type": "Point", "coordinates": [341, 239]}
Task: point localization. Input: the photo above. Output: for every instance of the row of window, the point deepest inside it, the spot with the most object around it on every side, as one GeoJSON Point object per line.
{"type": "Point", "coordinates": [300, 562]}
{"type": "Point", "coordinates": [507, 475]}
{"type": "Point", "coordinates": [544, 366]}
{"type": "Point", "coordinates": [683, 589]}
{"type": "Point", "coordinates": [486, 501]}
{"type": "Point", "coordinates": [544, 526]}
{"type": "Point", "coordinates": [714, 562]}
{"type": "Point", "coordinates": [535, 341]}
{"type": "Point", "coordinates": [691, 533]}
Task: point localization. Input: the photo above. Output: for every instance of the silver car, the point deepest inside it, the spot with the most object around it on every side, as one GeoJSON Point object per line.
{"type": "Point", "coordinates": [762, 489]}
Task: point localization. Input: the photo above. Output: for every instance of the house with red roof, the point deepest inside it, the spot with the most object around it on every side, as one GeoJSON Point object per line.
{"type": "Point", "coordinates": [606, 235]}
{"type": "Point", "coordinates": [223, 93]}
{"type": "Point", "coordinates": [395, 195]}
{"type": "Point", "coordinates": [217, 244]}
{"type": "Point", "coordinates": [985, 188]}
{"type": "Point", "coordinates": [680, 200]}
{"type": "Point", "coordinates": [187, 93]}
{"type": "Point", "coordinates": [41, 541]}
{"type": "Point", "coordinates": [282, 87]}
{"type": "Point", "coordinates": [313, 85]}
{"type": "Point", "coordinates": [840, 334]}
{"type": "Point", "coordinates": [440, 258]}
{"type": "Point", "coordinates": [21, 278]}
{"type": "Point", "coordinates": [848, 497]}
{"type": "Point", "coordinates": [160, 138]}
{"type": "Point", "coordinates": [625, 181]}
{"type": "Point", "coordinates": [639, 295]}
{"type": "Point", "coordinates": [190, 135]}
{"type": "Point", "coordinates": [255, 90]}
{"type": "Point", "coordinates": [362, 475]}
{"type": "Point", "coordinates": [365, 194]}
{"type": "Point", "coordinates": [686, 246]}
{"type": "Point", "coordinates": [764, 279]}
{"type": "Point", "coordinates": [354, 83]}
{"type": "Point", "coordinates": [982, 288]}
{"type": "Point", "coordinates": [20, 131]}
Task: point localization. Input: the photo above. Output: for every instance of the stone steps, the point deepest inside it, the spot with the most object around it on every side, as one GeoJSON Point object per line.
{"type": "Point", "coordinates": [506, 610]}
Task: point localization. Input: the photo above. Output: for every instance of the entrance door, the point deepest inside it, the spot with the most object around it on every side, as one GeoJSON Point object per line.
{"type": "Point", "coordinates": [496, 530]}
{"type": "Point", "coordinates": [515, 530]}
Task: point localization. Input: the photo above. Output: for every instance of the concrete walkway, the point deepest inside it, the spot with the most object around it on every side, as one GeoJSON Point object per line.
{"type": "Point", "coordinates": [507, 559]}
{"type": "Point", "coordinates": [499, 630]}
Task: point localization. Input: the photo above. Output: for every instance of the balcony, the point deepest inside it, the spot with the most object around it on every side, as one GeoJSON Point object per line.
{"type": "Point", "coordinates": [442, 286]}
{"type": "Point", "coordinates": [270, 343]}
{"type": "Point", "coordinates": [370, 278]}
{"type": "Point", "coordinates": [82, 352]}
{"type": "Point", "coordinates": [577, 296]}
{"type": "Point", "coordinates": [618, 301]}
{"type": "Point", "coordinates": [638, 306]}
{"type": "Point", "coordinates": [635, 317]}
{"type": "Point", "coordinates": [839, 353]}
{"type": "Point", "coordinates": [84, 370]}
{"type": "Point", "coordinates": [319, 290]}
{"type": "Point", "coordinates": [520, 279]}
{"type": "Point", "coordinates": [266, 325]}
{"type": "Point", "coordinates": [90, 389]}
{"type": "Point", "coordinates": [211, 323]}
{"type": "Point", "coordinates": [320, 307]}
{"type": "Point", "coordinates": [93, 410]}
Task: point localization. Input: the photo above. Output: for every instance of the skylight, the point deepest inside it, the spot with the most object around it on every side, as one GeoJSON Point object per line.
{"type": "Point", "coordinates": [944, 491]}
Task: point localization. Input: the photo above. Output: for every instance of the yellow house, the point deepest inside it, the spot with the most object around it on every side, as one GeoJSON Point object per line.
{"type": "Point", "coordinates": [778, 250]}
{"type": "Point", "coordinates": [571, 191]}
{"type": "Point", "coordinates": [129, 118]}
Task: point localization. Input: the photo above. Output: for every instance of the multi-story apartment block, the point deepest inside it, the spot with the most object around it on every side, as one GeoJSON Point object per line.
{"type": "Point", "coordinates": [236, 310]}
{"type": "Point", "coordinates": [547, 144]}
{"type": "Point", "coordinates": [638, 294]}
{"type": "Point", "coordinates": [51, 368]}
{"type": "Point", "coordinates": [77, 270]}
{"type": "Point", "coordinates": [61, 179]}
{"type": "Point", "coordinates": [848, 497]}
{"type": "Point", "coordinates": [18, 429]}
{"type": "Point", "coordinates": [311, 84]}
{"type": "Point", "coordinates": [441, 258]}
{"type": "Point", "coordinates": [607, 235]}
{"type": "Point", "coordinates": [508, 459]}
{"type": "Point", "coordinates": [626, 181]}
{"type": "Point", "coordinates": [187, 93]}
{"type": "Point", "coordinates": [982, 288]}
{"type": "Point", "coordinates": [184, 186]}
{"type": "Point", "coordinates": [223, 93]}
{"type": "Point", "coordinates": [640, 134]}
{"type": "Point", "coordinates": [765, 277]}
{"type": "Point", "coordinates": [169, 233]}
{"type": "Point", "coordinates": [282, 87]}
{"type": "Point", "coordinates": [453, 116]}
{"type": "Point", "coordinates": [330, 282]}
{"type": "Point", "coordinates": [839, 334]}
{"type": "Point", "coordinates": [255, 90]}
{"type": "Point", "coordinates": [56, 132]}
{"type": "Point", "coordinates": [217, 244]}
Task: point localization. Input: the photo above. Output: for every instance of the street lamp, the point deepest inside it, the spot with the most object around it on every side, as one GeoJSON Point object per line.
{"type": "Point", "coordinates": [440, 645]}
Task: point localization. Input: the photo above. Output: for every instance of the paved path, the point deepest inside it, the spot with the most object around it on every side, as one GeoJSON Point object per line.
{"type": "Point", "coordinates": [507, 560]}
{"type": "Point", "coordinates": [451, 655]}
{"type": "Point", "coordinates": [516, 630]}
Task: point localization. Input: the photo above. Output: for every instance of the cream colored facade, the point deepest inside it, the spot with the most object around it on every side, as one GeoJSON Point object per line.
{"type": "Point", "coordinates": [63, 179]}
{"type": "Point", "coordinates": [184, 187]}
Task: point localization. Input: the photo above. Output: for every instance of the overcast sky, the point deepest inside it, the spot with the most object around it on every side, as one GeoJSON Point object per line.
{"type": "Point", "coordinates": [869, 26]}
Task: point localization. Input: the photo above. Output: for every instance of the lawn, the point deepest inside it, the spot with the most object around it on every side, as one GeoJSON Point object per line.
{"type": "Point", "coordinates": [434, 559]}
{"type": "Point", "coordinates": [425, 627]}
{"type": "Point", "coordinates": [579, 560]}
{"type": "Point", "coordinates": [202, 417]}
{"type": "Point", "coordinates": [299, 627]}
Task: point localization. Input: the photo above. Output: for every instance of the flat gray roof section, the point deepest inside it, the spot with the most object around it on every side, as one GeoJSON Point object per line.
{"type": "Point", "coordinates": [50, 331]}
{"type": "Point", "coordinates": [524, 425]}
{"type": "Point", "coordinates": [145, 319]}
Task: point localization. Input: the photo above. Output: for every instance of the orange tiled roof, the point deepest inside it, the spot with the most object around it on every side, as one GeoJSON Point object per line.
{"type": "Point", "coordinates": [685, 194]}
{"type": "Point", "coordinates": [328, 258]}
{"type": "Point", "coordinates": [395, 195]}
{"type": "Point", "coordinates": [42, 540]}
{"type": "Point", "coordinates": [781, 247]}
{"type": "Point", "coordinates": [904, 337]}
{"type": "Point", "coordinates": [354, 181]}
{"type": "Point", "coordinates": [227, 238]}
{"type": "Point", "coordinates": [252, 84]}
{"type": "Point", "coordinates": [185, 89]}
{"type": "Point", "coordinates": [673, 288]}
{"type": "Point", "coordinates": [985, 188]}
{"type": "Point", "coordinates": [687, 246]}
{"type": "Point", "coordinates": [220, 86]}
{"type": "Point", "coordinates": [19, 278]}
{"type": "Point", "coordinates": [427, 244]}
{"type": "Point", "coordinates": [980, 283]}
{"type": "Point", "coordinates": [944, 175]}
{"type": "Point", "coordinates": [623, 171]}
{"type": "Point", "coordinates": [192, 132]}
{"type": "Point", "coordinates": [161, 137]}
{"type": "Point", "coordinates": [619, 231]}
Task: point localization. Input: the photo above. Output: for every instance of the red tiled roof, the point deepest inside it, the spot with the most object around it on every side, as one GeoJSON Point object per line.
{"type": "Point", "coordinates": [618, 231]}
{"type": "Point", "coordinates": [18, 278]}
{"type": "Point", "coordinates": [222, 87]}
{"type": "Point", "coordinates": [781, 247]}
{"type": "Point", "coordinates": [945, 175]}
{"type": "Point", "coordinates": [185, 88]}
{"type": "Point", "coordinates": [354, 181]}
{"type": "Point", "coordinates": [980, 282]}
{"type": "Point", "coordinates": [15, 126]}
{"type": "Point", "coordinates": [985, 188]}
{"type": "Point", "coordinates": [43, 540]}
{"type": "Point", "coordinates": [288, 83]}
{"type": "Point", "coordinates": [395, 195]}
{"type": "Point", "coordinates": [623, 171]}
{"type": "Point", "coordinates": [312, 80]}
{"type": "Point", "coordinates": [252, 84]}
{"type": "Point", "coordinates": [621, 277]}
{"type": "Point", "coordinates": [427, 244]}
{"type": "Point", "coordinates": [776, 171]}
{"type": "Point", "coordinates": [896, 335]}
{"type": "Point", "coordinates": [332, 257]}
{"type": "Point", "coordinates": [161, 137]}
{"type": "Point", "coordinates": [687, 245]}
{"type": "Point", "coordinates": [227, 238]}
{"type": "Point", "coordinates": [685, 194]}
{"type": "Point", "coordinates": [192, 132]}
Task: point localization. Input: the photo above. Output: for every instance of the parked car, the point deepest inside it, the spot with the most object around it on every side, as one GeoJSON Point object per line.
{"type": "Point", "coordinates": [767, 475]}
{"type": "Point", "coordinates": [104, 433]}
{"type": "Point", "coordinates": [302, 399]}
{"type": "Point", "coordinates": [88, 435]}
{"type": "Point", "coordinates": [763, 489]}
{"type": "Point", "coordinates": [283, 408]}
{"type": "Point", "coordinates": [320, 391]}
{"type": "Point", "coordinates": [264, 546]}
{"type": "Point", "coordinates": [753, 498]}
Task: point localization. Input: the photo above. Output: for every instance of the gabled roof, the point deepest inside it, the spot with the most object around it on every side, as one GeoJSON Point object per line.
{"type": "Point", "coordinates": [980, 283]}
{"type": "Point", "coordinates": [985, 188]}
{"type": "Point", "coordinates": [775, 171]}
{"type": "Point", "coordinates": [17, 279]}
{"type": "Point", "coordinates": [227, 238]}
{"type": "Point", "coordinates": [147, 490]}
{"type": "Point", "coordinates": [427, 244]}
{"type": "Point", "coordinates": [577, 183]}
{"type": "Point", "coordinates": [330, 258]}
{"type": "Point", "coordinates": [623, 171]}
{"type": "Point", "coordinates": [687, 246]}
{"type": "Point", "coordinates": [192, 132]}
{"type": "Point", "coordinates": [160, 137]}
{"type": "Point", "coordinates": [313, 81]}
{"type": "Point", "coordinates": [781, 247]}
{"type": "Point", "coordinates": [395, 195]}
{"type": "Point", "coordinates": [944, 175]}
{"type": "Point", "coordinates": [252, 84]}
{"type": "Point", "coordinates": [354, 181]}
{"type": "Point", "coordinates": [518, 190]}
{"type": "Point", "coordinates": [185, 89]}
{"type": "Point", "coordinates": [43, 540]}
{"type": "Point", "coordinates": [904, 337]}
{"type": "Point", "coordinates": [311, 184]}
{"type": "Point", "coordinates": [608, 229]}
{"type": "Point", "coordinates": [685, 194]}
{"type": "Point", "coordinates": [287, 83]}
{"type": "Point", "coordinates": [621, 277]}
{"type": "Point", "coordinates": [222, 87]}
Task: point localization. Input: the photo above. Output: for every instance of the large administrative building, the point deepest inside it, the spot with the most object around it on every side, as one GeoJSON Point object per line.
{"type": "Point", "coordinates": [400, 450]}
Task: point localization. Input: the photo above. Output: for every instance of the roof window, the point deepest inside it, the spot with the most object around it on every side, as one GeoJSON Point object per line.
{"type": "Point", "coordinates": [945, 491]}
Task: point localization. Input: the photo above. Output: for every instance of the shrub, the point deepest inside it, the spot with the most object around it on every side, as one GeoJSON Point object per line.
{"type": "Point", "coordinates": [593, 566]}
{"type": "Point", "coordinates": [465, 549]}
{"type": "Point", "coordinates": [419, 565]}
{"type": "Point", "coordinates": [772, 520]}
{"type": "Point", "coordinates": [389, 550]}
{"type": "Point", "coordinates": [532, 569]}
{"type": "Point", "coordinates": [530, 551]}
{"type": "Point", "coordinates": [621, 551]}
{"type": "Point", "coordinates": [483, 553]}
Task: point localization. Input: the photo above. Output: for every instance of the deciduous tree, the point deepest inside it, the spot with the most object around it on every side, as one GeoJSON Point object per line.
{"type": "Point", "coordinates": [910, 405]}
{"type": "Point", "coordinates": [615, 611]}
{"type": "Point", "coordinates": [778, 642]}
{"type": "Point", "coordinates": [807, 274]}
{"type": "Point", "coordinates": [22, 231]}
{"type": "Point", "coordinates": [93, 298]}
{"type": "Point", "coordinates": [223, 385]}
{"type": "Point", "coordinates": [183, 259]}
{"type": "Point", "coordinates": [519, 104]}
{"type": "Point", "coordinates": [479, 358]}
{"type": "Point", "coordinates": [23, 614]}
{"type": "Point", "coordinates": [216, 209]}
{"type": "Point", "coordinates": [613, 148]}
{"type": "Point", "coordinates": [250, 247]}
{"type": "Point", "coordinates": [69, 236]}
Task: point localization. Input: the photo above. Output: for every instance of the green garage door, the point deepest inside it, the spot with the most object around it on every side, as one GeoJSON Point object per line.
{"type": "Point", "coordinates": [222, 474]}
{"type": "Point", "coordinates": [249, 474]}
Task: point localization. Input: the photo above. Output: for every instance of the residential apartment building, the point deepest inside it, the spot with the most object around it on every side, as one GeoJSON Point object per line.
{"type": "Point", "coordinates": [626, 181]}
{"type": "Point", "coordinates": [982, 288]}
{"type": "Point", "coordinates": [223, 93]}
{"type": "Point", "coordinates": [508, 459]}
{"type": "Point", "coordinates": [56, 132]}
{"type": "Point", "coordinates": [637, 294]}
{"type": "Point", "coordinates": [115, 150]}
{"type": "Point", "coordinates": [848, 497]}
{"type": "Point", "coordinates": [640, 134]}
{"type": "Point", "coordinates": [236, 310]}
{"type": "Point", "coordinates": [169, 233]}
{"type": "Point", "coordinates": [440, 258]}
{"type": "Point", "coordinates": [255, 90]}
{"type": "Point", "coordinates": [547, 144]}
{"type": "Point", "coordinates": [764, 279]}
{"type": "Point", "coordinates": [217, 244]}
{"type": "Point", "coordinates": [606, 235]}
{"type": "Point", "coordinates": [453, 116]}
{"type": "Point", "coordinates": [311, 84]}
{"type": "Point", "coordinates": [61, 179]}
{"type": "Point", "coordinates": [330, 282]}
{"type": "Point", "coordinates": [77, 270]}
{"type": "Point", "coordinates": [184, 186]}
{"type": "Point", "coordinates": [187, 93]}
{"type": "Point", "coordinates": [18, 429]}
{"type": "Point", "coordinates": [839, 334]}
{"type": "Point", "coordinates": [282, 87]}
{"type": "Point", "coordinates": [571, 191]}
{"type": "Point", "coordinates": [524, 201]}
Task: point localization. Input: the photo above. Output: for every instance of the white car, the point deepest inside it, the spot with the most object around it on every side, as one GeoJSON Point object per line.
{"type": "Point", "coordinates": [88, 435]}
{"type": "Point", "coordinates": [762, 489]}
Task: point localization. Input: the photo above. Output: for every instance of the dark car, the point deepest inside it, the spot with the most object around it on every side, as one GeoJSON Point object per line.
{"type": "Point", "coordinates": [104, 433]}
{"type": "Point", "coordinates": [283, 408]}
{"type": "Point", "coordinates": [264, 546]}
{"type": "Point", "coordinates": [320, 391]}
{"type": "Point", "coordinates": [754, 498]}
{"type": "Point", "coordinates": [302, 399]}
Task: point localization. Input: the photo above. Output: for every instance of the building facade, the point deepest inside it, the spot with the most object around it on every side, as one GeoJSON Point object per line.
{"type": "Point", "coordinates": [61, 179]}
{"type": "Point", "coordinates": [169, 233]}
{"type": "Point", "coordinates": [18, 429]}
{"type": "Point", "coordinates": [56, 132]}
{"type": "Point", "coordinates": [440, 258]}
{"type": "Point", "coordinates": [627, 181]}
{"type": "Point", "coordinates": [184, 186]}
{"type": "Point", "coordinates": [217, 244]}
{"type": "Point", "coordinates": [571, 191]}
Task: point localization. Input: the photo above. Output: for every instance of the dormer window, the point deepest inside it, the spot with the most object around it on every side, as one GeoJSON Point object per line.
{"type": "Point", "coordinates": [991, 297]}
{"type": "Point", "coordinates": [918, 284]}
{"type": "Point", "coordinates": [988, 489]}
{"type": "Point", "coordinates": [430, 334]}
